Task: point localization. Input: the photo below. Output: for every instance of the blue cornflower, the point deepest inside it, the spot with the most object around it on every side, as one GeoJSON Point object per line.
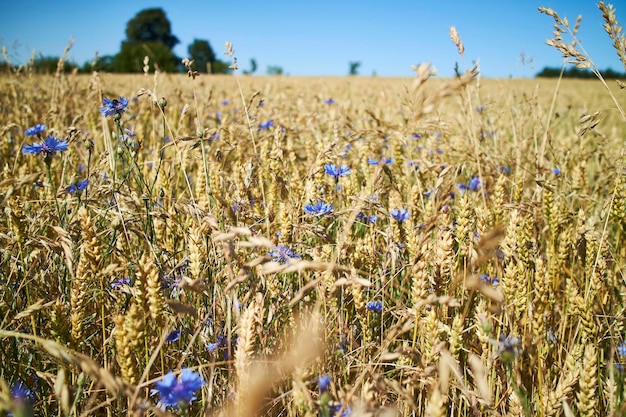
{"type": "Point", "coordinates": [48, 147]}
{"type": "Point", "coordinates": [400, 215]}
{"type": "Point", "coordinates": [621, 349]}
{"type": "Point", "coordinates": [266, 125]}
{"type": "Point", "coordinates": [416, 136]}
{"type": "Point", "coordinates": [323, 382]}
{"type": "Point", "coordinates": [225, 102]}
{"type": "Point", "coordinates": [509, 347]}
{"type": "Point", "coordinates": [347, 411]}
{"type": "Point", "coordinates": [220, 343]}
{"type": "Point", "coordinates": [77, 187]}
{"type": "Point", "coordinates": [367, 219]}
{"type": "Point", "coordinates": [382, 161]}
{"type": "Point", "coordinates": [336, 172]}
{"type": "Point", "coordinates": [22, 400]}
{"type": "Point", "coordinates": [375, 306]}
{"type": "Point", "coordinates": [177, 392]}
{"type": "Point", "coordinates": [329, 101]}
{"type": "Point", "coordinates": [318, 209]}
{"type": "Point", "coordinates": [556, 171]}
{"type": "Point", "coordinates": [36, 130]}
{"type": "Point", "coordinates": [173, 336]}
{"type": "Point", "coordinates": [120, 282]}
{"type": "Point", "coordinates": [504, 169]}
{"type": "Point", "coordinates": [114, 107]}
{"type": "Point", "coordinates": [282, 254]}
{"type": "Point", "coordinates": [488, 279]}
{"type": "Point", "coordinates": [551, 336]}
{"type": "Point", "coordinates": [20, 393]}
{"type": "Point", "coordinates": [473, 184]}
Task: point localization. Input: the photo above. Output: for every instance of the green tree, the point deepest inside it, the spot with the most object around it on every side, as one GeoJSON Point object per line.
{"type": "Point", "coordinates": [149, 33]}
{"type": "Point", "coordinates": [202, 54]}
{"type": "Point", "coordinates": [253, 67]}
{"type": "Point", "coordinates": [104, 63]}
{"type": "Point", "coordinates": [131, 57]}
{"type": "Point", "coordinates": [151, 25]}
{"type": "Point", "coordinates": [274, 70]}
{"type": "Point", "coordinates": [49, 65]}
{"type": "Point", "coordinates": [354, 68]}
{"type": "Point", "coordinates": [221, 67]}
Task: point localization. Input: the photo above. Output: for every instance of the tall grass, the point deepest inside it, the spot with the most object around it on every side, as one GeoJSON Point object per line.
{"type": "Point", "coordinates": [469, 263]}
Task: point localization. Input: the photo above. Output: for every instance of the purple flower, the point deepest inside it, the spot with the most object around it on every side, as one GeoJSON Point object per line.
{"type": "Point", "coordinates": [474, 183]}
{"type": "Point", "coordinates": [36, 130]}
{"type": "Point", "coordinates": [282, 254]}
{"type": "Point", "coordinates": [508, 347]}
{"type": "Point", "coordinates": [323, 382]}
{"type": "Point", "coordinates": [329, 101]}
{"type": "Point", "coordinates": [114, 107]}
{"type": "Point", "coordinates": [489, 280]}
{"type": "Point", "coordinates": [347, 411]}
{"type": "Point", "coordinates": [375, 306]}
{"type": "Point", "coordinates": [177, 392]}
{"type": "Point", "coordinates": [20, 393]}
{"type": "Point", "coordinates": [400, 215]}
{"type": "Point", "coordinates": [333, 171]}
{"type": "Point", "coordinates": [382, 161]}
{"type": "Point", "coordinates": [82, 185]}
{"type": "Point", "coordinates": [367, 219]}
{"type": "Point", "coordinates": [48, 147]}
{"type": "Point", "coordinates": [318, 209]}
{"type": "Point", "coordinates": [22, 400]}
{"type": "Point", "coordinates": [119, 283]}
{"type": "Point", "coordinates": [173, 336]}
{"type": "Point", "coordinates": [225, 102]}
{"type": "Point", "coordinates": [266, 125]}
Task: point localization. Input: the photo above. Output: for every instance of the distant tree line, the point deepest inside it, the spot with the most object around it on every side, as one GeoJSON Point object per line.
{"type": "Point", "coordinates": [147, 34]}
{"type": "Point", "coordinates": [573, 72]}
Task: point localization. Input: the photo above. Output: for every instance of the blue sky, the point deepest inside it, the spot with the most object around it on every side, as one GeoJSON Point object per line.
{"type": "Point", "coordinates": [321, 37]}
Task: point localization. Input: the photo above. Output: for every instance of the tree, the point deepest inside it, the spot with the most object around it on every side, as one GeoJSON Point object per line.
{"type": "Point", "coordinates": [354, 68]}
{"type": "Point", "coordinates": [220, 67]}
{"type": "Point", "coordinates": [131, 57]}
{"type": "Point", "coordinates": [253, 67]}
{"type": "Point", "coordinates": [50, 65]}
{"type": "Point", "coordinates": [149, 34]}
{"type": "Point", "coordinates": [104, 63]}
{"type": "Point", "coordinates": [274, 70]}
{"type": "Point", "coordinates": [151, 25]}
{"type": "Point", "coordinates": [202, 54]}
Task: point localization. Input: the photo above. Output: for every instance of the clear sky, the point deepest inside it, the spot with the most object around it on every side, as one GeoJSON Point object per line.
{"type": "Point", "coordinates": [321, 37]}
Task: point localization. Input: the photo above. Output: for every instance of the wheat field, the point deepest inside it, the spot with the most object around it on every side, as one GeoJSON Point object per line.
{"type": "Point", "coordinates": [233, 245]}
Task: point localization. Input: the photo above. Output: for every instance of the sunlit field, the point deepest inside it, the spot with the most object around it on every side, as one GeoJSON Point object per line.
{"type": "Point", "coordinates": [355, 246]}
